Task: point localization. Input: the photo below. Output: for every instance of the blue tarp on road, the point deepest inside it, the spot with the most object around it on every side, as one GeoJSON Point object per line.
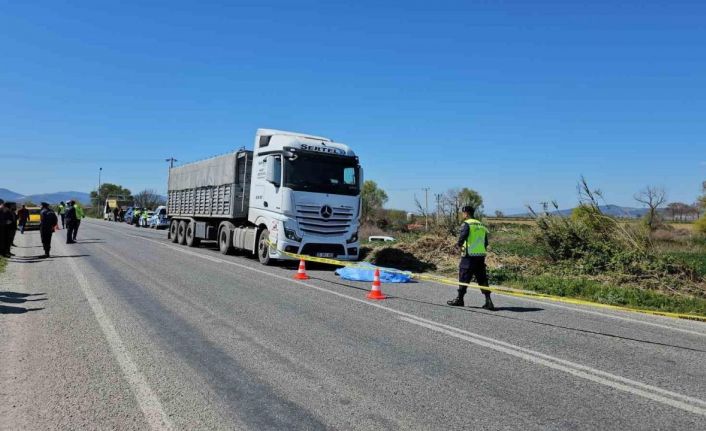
{"type": "Point", "coordinates": [366, 271]}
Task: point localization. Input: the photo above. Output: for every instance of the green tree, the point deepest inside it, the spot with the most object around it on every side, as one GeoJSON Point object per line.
{"type": "Point", "coordinates": [452, 203]}
{"type": "Point", "coordinates": [106, 190]}
{"type": "Point", "coordinates": [470, 197]}
{"type": "Point", "coordinates": [373, 198]}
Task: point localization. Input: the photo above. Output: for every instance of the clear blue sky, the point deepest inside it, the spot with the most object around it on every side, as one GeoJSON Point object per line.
{"type": "Point", "coordinates": [514, 99]}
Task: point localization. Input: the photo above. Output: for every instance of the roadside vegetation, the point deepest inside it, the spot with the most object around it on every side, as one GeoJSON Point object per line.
{"type": "Point", "coordinates": [644, 263]}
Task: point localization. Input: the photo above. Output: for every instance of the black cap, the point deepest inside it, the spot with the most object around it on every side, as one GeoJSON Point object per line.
{"type": "Point", "coordinates": [468, 209]}
{"type": "Point", "coordinates": [44, 204]}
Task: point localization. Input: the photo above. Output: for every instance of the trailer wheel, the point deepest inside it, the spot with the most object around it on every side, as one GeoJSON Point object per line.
{"type": "Point", "coordinates": [263, 247]}
{"type": "Point", "coordinates": [174, 231]}
{"type": "Point", "coordinates": [191, 239]}
{"type": "Point", "coordinates": [224, 241]}
{"type": "Point", "coordinates": [181, 233]}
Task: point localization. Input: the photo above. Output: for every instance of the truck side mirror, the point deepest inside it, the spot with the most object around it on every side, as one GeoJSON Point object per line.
{"type": "Point", "coordinates": [274, 170]}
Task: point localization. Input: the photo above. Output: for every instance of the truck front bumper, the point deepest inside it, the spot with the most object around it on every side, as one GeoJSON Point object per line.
{"type": "Point", "coordinates": [339, 251]}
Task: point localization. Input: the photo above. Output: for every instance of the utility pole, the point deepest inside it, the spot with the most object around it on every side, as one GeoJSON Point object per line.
{"type": "Point", "coordinates": [171, 161]}
{"type": "Point", "coordinates": [426, 207]}
{"type": "Point", "coordinates": [98, 192]}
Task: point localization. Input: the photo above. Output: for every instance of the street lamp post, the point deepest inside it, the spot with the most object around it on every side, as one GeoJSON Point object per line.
{"type": "Point", "coordinates": [98, 192]}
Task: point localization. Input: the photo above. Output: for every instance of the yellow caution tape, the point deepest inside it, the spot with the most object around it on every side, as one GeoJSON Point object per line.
{"type": "Point", "coordinates": [499, 290]}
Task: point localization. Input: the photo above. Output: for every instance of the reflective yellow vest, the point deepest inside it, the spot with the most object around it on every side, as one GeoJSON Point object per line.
{"type": "Point", "coordinates": [477, 233]}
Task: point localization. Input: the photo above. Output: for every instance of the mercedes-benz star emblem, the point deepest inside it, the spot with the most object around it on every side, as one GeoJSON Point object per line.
{"type": "Point", "coordinates": [326, 211]}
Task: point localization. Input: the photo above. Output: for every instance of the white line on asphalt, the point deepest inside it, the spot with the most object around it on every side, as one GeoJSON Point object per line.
{"type": "Point", "coordinates": [149, 403]}
{"type": "Point", "coordinates": [551, 304]}
{"type": "Point", "coordinates": [617, 382]}
{"type": "Point", "coordinates": [573, 370]}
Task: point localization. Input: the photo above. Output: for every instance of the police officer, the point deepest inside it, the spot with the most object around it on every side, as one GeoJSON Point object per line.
{"type": "Point", "coordinates": [474, 241]}
{"type": "Point", "coordinates": [5, 226]}
{"type": "Point", "coordinates": [136, 214]}
{"type": "Point", "coordinates": [47, 222]}
{"type": "Point", "coordinates": [70, 219]}
{"type": "Point", "coordinates": [13, 225]}
{"type": "Point", "coordinates": [79, 216]}
{"type": "Point", "coordinates": [61, 209]}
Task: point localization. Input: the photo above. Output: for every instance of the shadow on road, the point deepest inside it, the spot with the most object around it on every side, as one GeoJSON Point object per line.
{"type": "Point", "coordinates": [480, 310]}
{"type": "Point", "coordinates": [4, 309]}
{"type": "Point", "coordinates": [18, 298]}
{"type": "Point", "coordinates": [40, 258]}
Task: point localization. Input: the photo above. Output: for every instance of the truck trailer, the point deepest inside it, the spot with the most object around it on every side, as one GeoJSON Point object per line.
{"type": "Point", "coordinates": [296, 191]}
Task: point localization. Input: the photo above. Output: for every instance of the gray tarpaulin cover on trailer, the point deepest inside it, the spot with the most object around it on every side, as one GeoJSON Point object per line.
{"type": "Point", "coordinates": [210, 172]}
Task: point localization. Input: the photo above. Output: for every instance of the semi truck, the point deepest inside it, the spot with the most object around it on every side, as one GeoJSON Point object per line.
{"type": "Point", "coordinates": [293, 193]}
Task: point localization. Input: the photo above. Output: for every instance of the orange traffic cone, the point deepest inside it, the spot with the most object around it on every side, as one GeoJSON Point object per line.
{"type": "Point", "coordinates": [375, 292]}
{"type": "Point", "coordinates": [301, 273]}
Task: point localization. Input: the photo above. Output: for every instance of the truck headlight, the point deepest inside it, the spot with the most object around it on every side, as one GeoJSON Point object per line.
{"type": "Point", "coordinates": [353, 238]}
{"type": "Point", "coordinates": [291, 233]}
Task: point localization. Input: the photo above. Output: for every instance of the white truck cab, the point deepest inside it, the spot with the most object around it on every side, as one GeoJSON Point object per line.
{"type": "Point", "coordinates": [305, 195]}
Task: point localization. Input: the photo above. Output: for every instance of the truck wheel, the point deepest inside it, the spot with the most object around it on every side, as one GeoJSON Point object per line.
{"type": "Point", "coordinates": [263, 247]}
{"type": "Point", "coordinates": [191, 239]}
{"type": "Point", "coordinates": [224, 241]}
{"type": "Point", "coordinates": [174, 231]}
{"type": "Point", "coordinates": [181, 233]}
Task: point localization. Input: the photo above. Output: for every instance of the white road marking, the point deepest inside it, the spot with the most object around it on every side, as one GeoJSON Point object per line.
{"type": "Point", "coordinates": [536, 301]}
{"type": "Point", "coordinates": [680, 401]}
{"type": "Point", "coordinates": [149, 403]}
{"type": "Point", "coordinates": [613, 381]}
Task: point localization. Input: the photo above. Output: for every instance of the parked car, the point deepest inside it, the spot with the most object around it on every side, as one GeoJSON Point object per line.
{"type": "Point", "coordinates": [33, 221]}
{"type": "Point", "coordinates": [159, 219]}
{"type": "Point", "coordinates": [380, 238]}
{"type": "Point", "coordinates": [128, 215]}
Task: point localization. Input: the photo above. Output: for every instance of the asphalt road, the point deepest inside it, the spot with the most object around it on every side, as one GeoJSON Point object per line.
{"type": "Point", "coordinates": [126, 330]}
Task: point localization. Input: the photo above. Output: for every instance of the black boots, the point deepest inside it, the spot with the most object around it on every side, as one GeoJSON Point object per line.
{"type": "Point", "coordinates": [488, 303]}
{"type": "Point", "coordinates": [458, 302]}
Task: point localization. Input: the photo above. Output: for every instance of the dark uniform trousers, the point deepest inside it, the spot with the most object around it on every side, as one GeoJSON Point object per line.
{"type": "Point", "coordinates": [470, 267]}
{"type": "Point", "coordinates": [46, 234]}
{"type": "Point", "coordinates": [70, 230]}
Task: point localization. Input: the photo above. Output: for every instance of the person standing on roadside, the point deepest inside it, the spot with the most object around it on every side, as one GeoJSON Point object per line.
{"type": "Point", "coordinates": [13, 225]}
{"type": "Point", "coordinates": [48, 221]}
{"type": "Point", "coordinates": [5, 226]}
{"type": "Point", "coordinates": [22, 217]}
{"type": "Point", "coordinates": [474, 241]}
{"type": "Point", "coordinates": [136, 214]}
{"type": "Point", "coordinates": [116, 213]}
{"type": "Point", "coordinates": [61, 209]}
{"type": "Point", "coordinates": [70, 218]}
{"type": "Point", "coordinates": [79, 215]}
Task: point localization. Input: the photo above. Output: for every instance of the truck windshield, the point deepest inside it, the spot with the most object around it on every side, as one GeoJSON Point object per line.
{"type": "Point", "coordinates": [322, 174]}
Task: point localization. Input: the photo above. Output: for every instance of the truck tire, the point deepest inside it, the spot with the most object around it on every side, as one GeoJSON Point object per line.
{"type": "Point", "coordinates": [174, 231]}
{"type": "Point", "coordinates": [263, 247]}
{"type": "Point", "coordinates": [191, 239]}
{"type": "Point", "coordinates": [181, 233]}
{"type": "Point", "coordinates": [224, 240]}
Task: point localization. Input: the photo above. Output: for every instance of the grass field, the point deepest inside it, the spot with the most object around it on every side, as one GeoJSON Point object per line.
{"type": "Point", "coordinates": [516, 259]}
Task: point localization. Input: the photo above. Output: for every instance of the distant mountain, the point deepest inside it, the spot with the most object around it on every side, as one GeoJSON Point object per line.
{"type": "Point", "coordinates": [9, 195]}
{"type": "Point", "coordinates": [610, 210]}
{"type": "Point", "coordinates": [52, 198]}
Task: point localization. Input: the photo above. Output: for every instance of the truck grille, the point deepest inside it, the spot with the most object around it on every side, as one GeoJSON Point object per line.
{"type": "Point", "coordinates": [311, 221]}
